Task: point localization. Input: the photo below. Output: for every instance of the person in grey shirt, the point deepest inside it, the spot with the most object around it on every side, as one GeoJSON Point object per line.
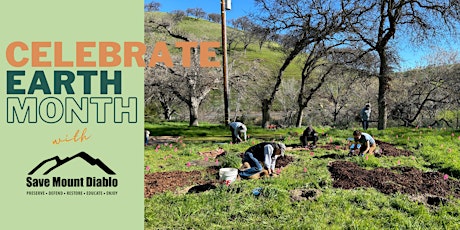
{"type": "Point", "coordinates": [368, 144]}
{"type": "Point", "coordinates": [366, 116]}
{"type": "Point", "coordinates": [238, 129]}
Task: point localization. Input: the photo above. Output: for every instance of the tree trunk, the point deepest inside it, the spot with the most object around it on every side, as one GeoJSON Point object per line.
{"type": "Point", "coordinates": [298, 122]}
{"type": "Point", "coordinates": [383, 88]}
{"type": "Point", "coordinates": [167, 111]}
{"type": "Point", "coordinates": [193, 108]}
{"type": "Point", "coordinates": [265, 113]}
{"type": "Point", "coordinates": [335, 113]}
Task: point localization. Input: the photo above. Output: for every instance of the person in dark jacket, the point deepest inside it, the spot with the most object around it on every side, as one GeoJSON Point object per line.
{"type": "Point", "coordinates": [266, 152]}
{"type": "Point", "coordinates": [309, 134]}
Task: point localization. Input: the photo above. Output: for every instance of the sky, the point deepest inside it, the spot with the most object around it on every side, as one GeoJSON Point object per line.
{"type": "Point", "coordinates": [411, 55]}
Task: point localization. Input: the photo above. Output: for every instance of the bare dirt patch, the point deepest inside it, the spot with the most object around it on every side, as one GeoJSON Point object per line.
{"type": "Point", "coordinates": [407, 180]}
{"type": "Point", "coordinates": [154, 140]}
{"type": "Point", "coordinates": [213, 153]}
{"type": "Point", "coordinates": [282, 162]}
{"type": "Point", "coordinates": [171, 181]}
{"type": "Point", "coordinates": [193, 181]}
{"type": "Point", "coordinates": [388, 149]}
{"type": "Point", "coordinates": [304, 194]}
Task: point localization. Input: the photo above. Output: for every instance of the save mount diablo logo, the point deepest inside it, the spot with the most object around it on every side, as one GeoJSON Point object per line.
{"type": "Point", "coordinates": [71, 182]}
{"type": "Point", "coordinates": [82, 155]}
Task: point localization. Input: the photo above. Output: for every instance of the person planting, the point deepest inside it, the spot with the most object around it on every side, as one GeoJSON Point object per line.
{"type": "Point", "coordinates": [309, 134]}
{"type": "Point", "coordinates": [238, 129]}
{"type": "Point", "coordinates": [368, 144]}
{"type": "Point", "coordinates": [266, 152]}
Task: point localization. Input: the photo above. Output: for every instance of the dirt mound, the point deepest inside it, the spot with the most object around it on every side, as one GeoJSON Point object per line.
{"type": "Point", "coordinates": [280, 162]}
{"type": "Point", "coordinates": [284, 161]}
{"type": "Point", "coordinates": [304, 194]}
{"type": "Point", "coordinates": [170, 181]}
{"type": "Point", "coordinates": [407, 180]}
{"type": "Point", "coordinates": [387, 149]}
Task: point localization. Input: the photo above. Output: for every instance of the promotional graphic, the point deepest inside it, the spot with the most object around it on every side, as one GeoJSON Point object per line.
{"type": "Point", "coordinates": [71, 120]}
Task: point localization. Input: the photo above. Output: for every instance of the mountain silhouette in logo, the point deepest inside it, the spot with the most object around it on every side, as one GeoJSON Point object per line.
{"type": "Point", "coordinates": [89, 159]}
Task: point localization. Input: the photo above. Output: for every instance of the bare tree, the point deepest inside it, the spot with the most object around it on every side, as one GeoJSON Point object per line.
{"type": "Point", "coordinates": [233, 38]}
{"type": "Point", "coordinates": [196, 12]}
{"type": "Point", "coordinates": [261, 34]}
{"type": "Point", "coordinates": [376, 22]}
{"type": "Point", "coordinates": [191, 85]}
{"type": "Point", "coordinates": [304, 23]}
{"type": "Point", "coordinates": [167, 100]}
{"type": "Point", "coordinates": [178, 15]}
{"type": "Point", "coordinates": [245, 33]}
{"type": "Point", "coordinates": [152, 6]}
{"type": "Point", "coordinates": [426, 90]}
{"type": "Point", "coordinates": [217, 18]}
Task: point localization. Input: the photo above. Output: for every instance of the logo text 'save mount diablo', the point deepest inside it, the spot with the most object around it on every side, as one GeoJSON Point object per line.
{"type": "Point", "coordinates": [72, 182]}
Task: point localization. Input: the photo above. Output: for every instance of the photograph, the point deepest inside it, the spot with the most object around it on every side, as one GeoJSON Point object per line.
{"type": "Point", "coordinates": [301, 114]}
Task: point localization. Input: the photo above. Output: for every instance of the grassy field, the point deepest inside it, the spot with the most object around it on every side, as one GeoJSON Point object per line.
{"type": "Point", "coordinates": [235, 207]}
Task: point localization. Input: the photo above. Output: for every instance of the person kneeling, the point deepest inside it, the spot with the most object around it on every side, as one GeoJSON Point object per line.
{"type": "Point", "coordinates": [367, 142]}
{"type": "Point", "coordinates": [309, 134]}
{"type": "Point", "coordinates": [266, 152]}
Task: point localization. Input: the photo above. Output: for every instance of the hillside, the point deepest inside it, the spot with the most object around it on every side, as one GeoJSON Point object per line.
{"type": "Point", "coordinates": [202, 30]}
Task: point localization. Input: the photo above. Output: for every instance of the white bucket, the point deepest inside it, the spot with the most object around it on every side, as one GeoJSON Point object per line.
{"type": "Point", "coordinates": [228, 175]}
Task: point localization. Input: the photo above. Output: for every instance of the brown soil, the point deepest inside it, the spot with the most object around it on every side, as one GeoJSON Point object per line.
{"type": "Point", "coordinates": [304, 194]}
{"type": "Point", "coordinates": [407, 180]}
{"type": "Point", "coordinates": [213, 153]}
{"type": "Point", "coordinates": [428, 187]}
{"type": "Point", "coordinates": [387, 149]}
{"type": "Point", "coordinates": [171, 181]}
{"type": "Point", "coordinates": [194, 181]}
{"type": "Point", "coordinates": [282, 162]}
{"type": "Point", "coordinates": [154, 140]}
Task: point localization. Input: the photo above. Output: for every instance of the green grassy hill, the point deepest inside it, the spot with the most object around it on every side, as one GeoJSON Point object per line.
{"type": "Point", "coordinates": [202, 30]}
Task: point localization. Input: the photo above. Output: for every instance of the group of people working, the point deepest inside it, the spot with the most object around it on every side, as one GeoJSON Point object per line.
{"type": "Point", "coordinates": [268, 152]}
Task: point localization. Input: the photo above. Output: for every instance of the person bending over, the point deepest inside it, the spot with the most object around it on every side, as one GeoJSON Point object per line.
{"type": "Point", "coordinates": [238, 129]}
{"type": "Point", "coordinates": [266, 152]}
{"type": "Point", "coordinates": [309, 134]}
{"type": "Point", "coordinates": [368, 144]}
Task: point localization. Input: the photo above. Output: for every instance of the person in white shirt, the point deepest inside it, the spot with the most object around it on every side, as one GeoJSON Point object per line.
{"type": "Point", "coordinates": [147, 134]}
{"type": "Point", "coordinates": [238, 129]}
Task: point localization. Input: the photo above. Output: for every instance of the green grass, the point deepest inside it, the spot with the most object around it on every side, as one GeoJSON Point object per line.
{"type": "Point", "coordinates": [235, 207]}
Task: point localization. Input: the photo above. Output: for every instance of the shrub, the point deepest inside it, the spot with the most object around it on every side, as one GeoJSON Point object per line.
{"type": "Point", "coordinates": [230, 160]}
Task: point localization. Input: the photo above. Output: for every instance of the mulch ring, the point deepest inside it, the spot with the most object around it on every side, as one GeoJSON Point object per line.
{"type": "Point", "coordinates": [160, 182]}
{"type": "Point", "coordinates": [407, 180]}
{"type": "Point", "coordinates": [387, 149]}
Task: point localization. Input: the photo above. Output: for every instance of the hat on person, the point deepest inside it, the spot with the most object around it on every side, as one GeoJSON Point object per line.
{"type": "Point", "coordinates": [368, 104]}
{"type": "Point", "coordinates": [282, 148]}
